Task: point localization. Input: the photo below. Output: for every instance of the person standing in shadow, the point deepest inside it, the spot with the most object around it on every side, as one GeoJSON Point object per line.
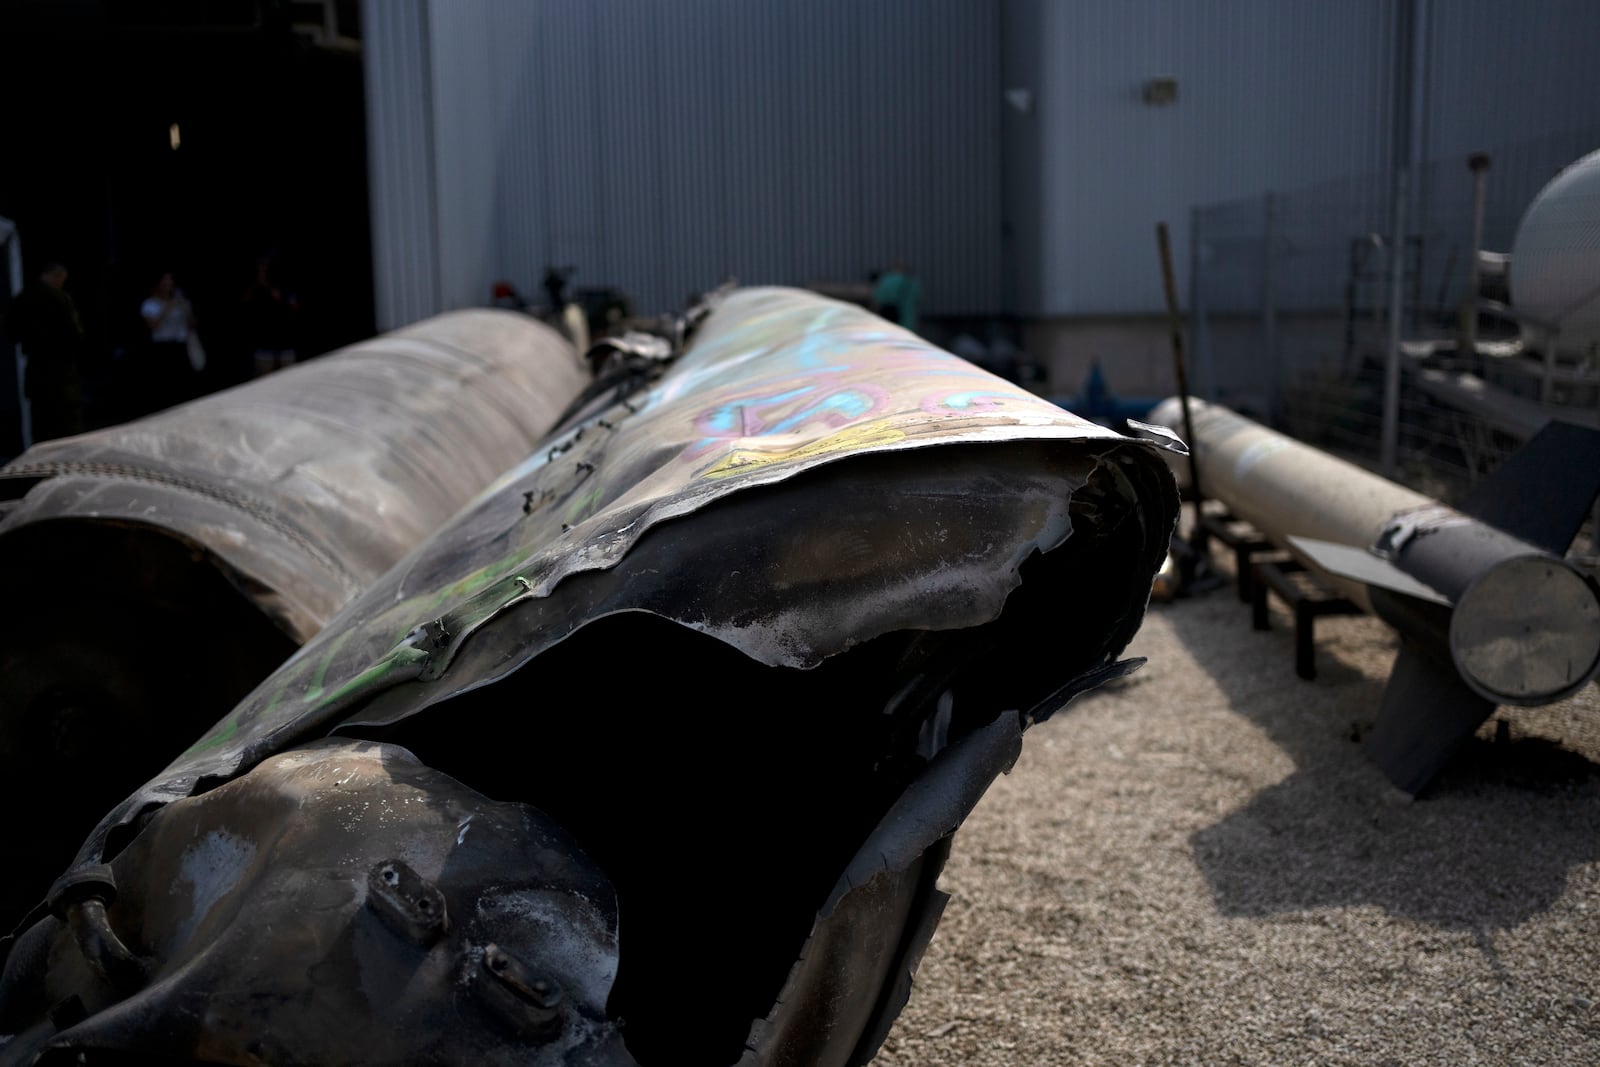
{"type": "Point", "coordinates": [44, 320]}
{"type": "Point", "coordinates": [168, 372]}
{"type": "Point", "coordinates": [270, 311]}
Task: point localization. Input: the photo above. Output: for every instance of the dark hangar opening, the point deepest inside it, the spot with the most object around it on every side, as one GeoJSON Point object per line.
{"type": "Point", "coordinates": [151, 135]}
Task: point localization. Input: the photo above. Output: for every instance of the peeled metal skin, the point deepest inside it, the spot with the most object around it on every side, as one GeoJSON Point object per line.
{"type": "Point", "coordinates": [757, 636]}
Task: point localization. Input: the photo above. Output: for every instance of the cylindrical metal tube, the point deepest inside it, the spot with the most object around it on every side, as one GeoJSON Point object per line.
{"type": "Point", "coordinates": [1524, 626]}
{"type": "Point", "coordinates": [1284, 488]}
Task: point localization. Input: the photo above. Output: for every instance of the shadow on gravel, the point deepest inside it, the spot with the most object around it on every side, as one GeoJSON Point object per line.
{"type": "Point", "coordinates": [1486, 847]}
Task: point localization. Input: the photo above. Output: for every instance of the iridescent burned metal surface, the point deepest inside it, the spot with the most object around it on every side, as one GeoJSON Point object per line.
{"type": "Point", "coordinates": [758, 636]}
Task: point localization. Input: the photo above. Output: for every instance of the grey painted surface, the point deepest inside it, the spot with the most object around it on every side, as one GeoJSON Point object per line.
{"type": "Point", "coordinates": [1022, 170]}
{"type": "Point", "coordinates": [1503, 73]}
{"type": "Point", "coordinates": [1294, 97]}
{"type": "Point", "coordinates": [400, 161]}
{"type": "Point", "coordinates": [662, 147]}
{"type": "Point", "coordinates": [466, 130]}
{"type": "Point", "coordinates": [1270, 95]}
{"type": "Point", "coordinates": [1518, 81]}
{"type": "Point", "coordinates": [520, 188]}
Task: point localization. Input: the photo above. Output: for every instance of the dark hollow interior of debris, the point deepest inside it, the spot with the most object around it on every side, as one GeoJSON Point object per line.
{"type": "Point", "coordinates": [118, 646]}
{"type": "Point", "coordinates": [724, 797]}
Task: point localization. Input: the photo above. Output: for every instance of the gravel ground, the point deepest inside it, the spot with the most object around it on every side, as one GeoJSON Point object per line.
{"type": "Point", "coordinates": [1199, 866]}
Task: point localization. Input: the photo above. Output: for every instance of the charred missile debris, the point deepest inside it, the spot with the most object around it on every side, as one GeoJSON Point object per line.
{"type": "Point", "coordinates": [1489, 610]}
{"type": "Point", "coordinates": [155, 572]}
{"type": "Point", "coordinates": [651, 754]}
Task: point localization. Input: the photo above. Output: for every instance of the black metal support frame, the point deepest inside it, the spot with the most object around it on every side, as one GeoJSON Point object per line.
{"type": "Point", "coordinates": [1246, 544]}
{"type": "Point", "coordinates": [1305, 596]}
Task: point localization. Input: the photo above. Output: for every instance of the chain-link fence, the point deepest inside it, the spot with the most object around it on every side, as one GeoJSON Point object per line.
{"type": "Point", "coordinates": [1290, 295]}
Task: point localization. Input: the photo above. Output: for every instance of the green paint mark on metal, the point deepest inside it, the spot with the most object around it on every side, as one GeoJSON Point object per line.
{"type": "Point", "coordinates": [277, 698]}
{"type": "Point", "coordinates": [317, 679]}
{"type": "Point", "coordinates": [378, 675]}
{"type": "Point", "coordinates": [424, 607]}
{"type": "Point", "coordinates": [292, 675]}
{"type": "Point", "coordinates": [230, 726]}
{"type": "Point", "coordinates": [486, 575]}
{"type": "Point", "coordinates": [585, 504]}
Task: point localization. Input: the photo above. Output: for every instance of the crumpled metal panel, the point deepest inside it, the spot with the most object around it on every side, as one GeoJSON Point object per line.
{"type": "Point", "coordinates": [758, 638]}
{"type": "Point", "coordinates": [434, 924]}
{"type": "Point", "coordinates": [776, 383]}
{"type": "Point", "coordinates": [881, 915]}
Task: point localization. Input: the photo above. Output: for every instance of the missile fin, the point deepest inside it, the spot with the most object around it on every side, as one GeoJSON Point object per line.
{"type": "Point", "coordinates": [1427, 712]}
{"type": "Point", "coordinates": [1362, 566]}
{"type": "Point", "coordinates": [1544, 491]}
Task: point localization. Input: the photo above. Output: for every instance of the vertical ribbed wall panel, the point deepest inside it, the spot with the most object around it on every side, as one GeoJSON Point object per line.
{"type": "Point", "coordinates": [972, 165]}
{"type": "Point", "coordinates": [468, 155]}
{"type": "Point", "coordinates": [1022, 169]}
{"type": "Point", "coordinates": [661, 147]}
{"type": "Point", "coordinates": [793, 141]}
{"type": "Point", "coordinates": [522, 124]}
{"type": "Point", "coordinates": [405, 258]}
{"type": "Point", "coordinates": [657, 147]}
{"type": "Point", "coordinates": [893, 167]}
{"type": "Point", "coordinates": [572, 71]}
{"type": "Point", "coordinates": [930, 111]}
{"type": "Point", "coordinates": [1270, 95]}
{"type": "Point", "coordinates": [758, 159]}
{"type": "Point", "coordinates": [1519, 81]}
{"type": "Point", "coordinates": [819, 60]}
{"type": "Point", "coordinates": [692, 167]}
{"type": "Point", "coordinates": [1506, 72]}
{"type": "Point", "coordinates": [630, 138]}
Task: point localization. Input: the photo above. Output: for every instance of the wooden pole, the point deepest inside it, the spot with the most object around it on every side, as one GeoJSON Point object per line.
{"type": "Point", "coordinates": [1175, 325]}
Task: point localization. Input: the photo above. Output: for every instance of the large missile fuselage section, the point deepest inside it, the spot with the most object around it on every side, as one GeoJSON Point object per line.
{"type": "Point", "coordinates": [650, 754]}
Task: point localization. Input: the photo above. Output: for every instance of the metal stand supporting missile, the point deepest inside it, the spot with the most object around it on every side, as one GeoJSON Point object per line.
{"type": "Point", "coordinates": [1488, 609]}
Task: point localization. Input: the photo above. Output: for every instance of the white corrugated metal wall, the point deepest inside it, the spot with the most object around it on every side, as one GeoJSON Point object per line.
{"type": "Point", "coordinates": [661, 147]}
{"type": "Point", "coordinates": [1022, 60]}
{"type": "Point", "coordinates": [400, 160]}
{"type": "Point", "coordinates": [1500, 72]}
{"type": "Point", "coordinates": [467, 132]}
{"type": "Point", "coordinates": [1283, 95]}
{"type": "Point", "coordinates": [1270, 94]}
{"type": "Point", "coordinates": [1519, 81]}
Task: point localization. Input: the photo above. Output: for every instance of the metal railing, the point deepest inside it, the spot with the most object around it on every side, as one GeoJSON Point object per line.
{"type": "Point", "coordinates": [1289, 308]}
